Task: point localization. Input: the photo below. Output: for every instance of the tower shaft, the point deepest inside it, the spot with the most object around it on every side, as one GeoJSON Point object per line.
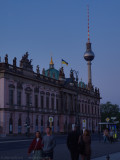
{"type": "Point", "coordinates": [89, 73]}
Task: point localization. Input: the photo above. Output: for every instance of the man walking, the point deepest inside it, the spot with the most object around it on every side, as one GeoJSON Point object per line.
{"type": "Point", "coordinates": [72, 143]}
{"type": "Point", "coordinates": [49, 144]}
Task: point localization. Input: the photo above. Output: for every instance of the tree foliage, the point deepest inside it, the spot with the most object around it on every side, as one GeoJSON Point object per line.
{"type": "Point", "coordinates": [109, 110]}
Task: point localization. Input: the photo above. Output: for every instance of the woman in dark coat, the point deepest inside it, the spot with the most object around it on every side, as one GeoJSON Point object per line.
{"type": "Point", "coordinates": [87, 145]}
{"type": "Point", "coordinates": [36, 146]}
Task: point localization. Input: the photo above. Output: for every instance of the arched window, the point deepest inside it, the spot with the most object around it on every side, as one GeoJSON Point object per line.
{"type": "Point", "coordinates": [82, 108]}
{"type": "Point", "coordinates": [42, 124]}
{"type": "Point", "coordinates": [52, 103]}
{"type": "Point", "coordinates": [36, 124]}
{"type": "Point", "coordinates": [79, 107]}
{"type": "Point", "coordinates": [88, 109]}
{"type": "Point", "coordinates": [19, 126]}
{"type": "Point", "coordinates": [41, 121]}
{"type": "Point", "coordinates": [57, 104]}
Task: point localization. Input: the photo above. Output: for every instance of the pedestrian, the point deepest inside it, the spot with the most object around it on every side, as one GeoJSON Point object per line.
{"type": "Point", "coordinates": [72, 143]}
{"type": "Point", "coordinates": [36, 146]}
{"type": "Point", "coordinates": [106, 136]}
{"type": "Point", "coordinates": [49, 144]}
{"type": "Point", "coordinates": [111, 136]}
{"type": "Point", "coordinates": [86, 140]}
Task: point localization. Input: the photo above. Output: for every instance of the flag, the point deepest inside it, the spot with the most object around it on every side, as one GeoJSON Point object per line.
{"type": "Point", "coordinates": [64, 62]}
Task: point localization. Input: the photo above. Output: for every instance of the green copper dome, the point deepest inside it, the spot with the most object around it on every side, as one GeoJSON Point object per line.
{"type": "Point", "coordinates": [52, 72]}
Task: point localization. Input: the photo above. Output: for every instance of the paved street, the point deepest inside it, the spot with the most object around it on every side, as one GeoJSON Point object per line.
{"type": "Point", "coordinates": [17, 149]}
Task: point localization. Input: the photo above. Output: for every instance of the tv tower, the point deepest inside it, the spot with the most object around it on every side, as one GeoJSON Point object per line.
{"type": "Point", "coordinates": [89, 55]}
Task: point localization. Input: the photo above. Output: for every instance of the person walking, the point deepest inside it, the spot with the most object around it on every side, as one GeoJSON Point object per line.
{"type": "Point", "coordinates": [86, 140]}
{"type": "Point", "coordinates": [72, 143]}
{"type": "Point", "coordinates": [106, 135]}
{"type": "Point", "coordinates": [36, 146]}
{"type": "Point", "coordinates": [49, 144]}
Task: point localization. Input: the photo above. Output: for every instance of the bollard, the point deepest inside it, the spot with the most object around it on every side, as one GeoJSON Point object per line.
{"type": "Point", "coordinates": [108, 157]}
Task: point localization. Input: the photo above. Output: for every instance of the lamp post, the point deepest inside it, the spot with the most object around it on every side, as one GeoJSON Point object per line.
{"type": "Point", "coordinates": [73, 83]}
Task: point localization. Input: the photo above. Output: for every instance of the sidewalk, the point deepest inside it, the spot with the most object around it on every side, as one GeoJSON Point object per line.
{"type": "Point", "coordinates": [15, 137]}
{"type": "Point", "coordinates": [114, 156]}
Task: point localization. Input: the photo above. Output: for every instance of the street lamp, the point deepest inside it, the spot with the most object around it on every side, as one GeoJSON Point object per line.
{"type": "Point", "coordinates": [73, 83]}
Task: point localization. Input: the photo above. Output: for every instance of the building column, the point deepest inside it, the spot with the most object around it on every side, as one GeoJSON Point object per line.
{"type": "Point", "coordinates": [32, 98]}
{"type": "Point", "coordinates": [55, 102]}
{"type": "Point", "coordinates": [23, 97]}
{"type": "Point", "coordinates": [44, 101]}
{"type": "Point", "coordinates": [15, 95]}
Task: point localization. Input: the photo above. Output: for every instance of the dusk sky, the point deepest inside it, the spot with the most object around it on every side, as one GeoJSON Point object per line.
{"type": "Point", "coordinates": [59, 28]}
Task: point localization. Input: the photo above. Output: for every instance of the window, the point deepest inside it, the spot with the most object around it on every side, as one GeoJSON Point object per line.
{"type": "Point", "coordinates": [19, 126]}
{"type": "Point", "coordinates": [79, 107]}
{"type": "Point", "coordinates": [82, 108]}
{"type": "Point", "coordinates": [52, 103]}
{"type": "Point", "coordinates": [27, 99]}
{"type": "Point", "coordinates": [88, 109]}
{"type": "Point", "coordinates": [47, 102]}
{"type": "Point", "coordinates": [10, 125]}
{"type": "Point", "coordinates": [36, 125]}
{"type": "Point", "coordinates": [41, 121]}
{"type": "Point", "coordinates": [57, 104]}
{"type": "Point", "coordinates": [11, 97]}
{"type": "Point", "coordinates": [42, 102]}
{"type": "Point", "coordinates": [95, 110]}
{"type": "Point", "coordinates": [19, 98]}
{"type": "Point", "coordinates": [36, 101]}
{"type": "Point", "coordinates": [92, 109]}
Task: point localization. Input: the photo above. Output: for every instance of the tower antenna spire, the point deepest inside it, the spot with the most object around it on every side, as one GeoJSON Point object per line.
{"type": "Point", "coordinates": [88, 23]}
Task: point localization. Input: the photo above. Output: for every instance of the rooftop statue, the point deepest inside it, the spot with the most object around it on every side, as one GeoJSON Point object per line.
{"type": "Point", "coordinates": [25, 62]}
{"type": "Point", "coordinates": [71, 74]}
{"type": "Point", "coordinates": [43, 71]}
{"type": "Point", "coordinates": [6, 58]}
{"type": "Point", "coordinates": [38, 69]}
{"type": "Point", "coordinates": [61, 73]}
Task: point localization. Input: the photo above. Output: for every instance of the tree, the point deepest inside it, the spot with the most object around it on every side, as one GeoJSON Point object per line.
{"type": "Point", "coordinates": [109, 110]}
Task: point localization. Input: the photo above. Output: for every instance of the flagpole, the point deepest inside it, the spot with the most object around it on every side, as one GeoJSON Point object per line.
{"type": "Point", "coordinates": [61, 63]}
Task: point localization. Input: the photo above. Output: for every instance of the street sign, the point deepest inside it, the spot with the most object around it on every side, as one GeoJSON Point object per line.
{"type": "Point", "coordinates": [113, 118]}
{"type": "Point", "coordinates": [84, 123]}
{"type": "Point", "coordinates": [107, 119]}
{"type": "Point", "coordinates": [50, 119]}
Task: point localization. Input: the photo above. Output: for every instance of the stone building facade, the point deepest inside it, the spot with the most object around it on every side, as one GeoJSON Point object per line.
{"type": "Point", "coordinates": [28, 99]}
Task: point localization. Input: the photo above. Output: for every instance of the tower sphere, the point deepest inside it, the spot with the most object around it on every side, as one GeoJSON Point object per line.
{"type": "Point", "coordinates": [89, 54]}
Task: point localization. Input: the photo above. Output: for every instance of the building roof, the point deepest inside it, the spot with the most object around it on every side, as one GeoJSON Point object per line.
{"type": "Point", "coordinates": [52, 72]}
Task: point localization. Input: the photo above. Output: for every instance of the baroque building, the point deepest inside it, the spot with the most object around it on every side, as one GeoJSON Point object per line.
{"type": "Point", "coordinates": [28, 99]}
